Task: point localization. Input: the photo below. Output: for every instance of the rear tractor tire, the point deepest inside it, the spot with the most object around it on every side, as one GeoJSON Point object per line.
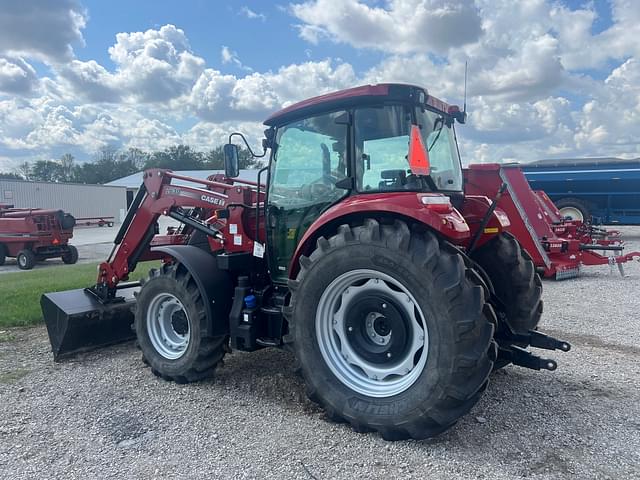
{"type": "Point", "coordinates": [71, 255]}
{"type": "Point", "coordinates": [515, 281]}
{"type": "Point", "coordinates": [391, 330]}
{"type": "Point", "coordinates": [26, 259]}
{"type": "Point", "coordinates": [171, 327]}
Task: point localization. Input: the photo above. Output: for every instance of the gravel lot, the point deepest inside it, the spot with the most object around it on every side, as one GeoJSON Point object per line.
{"type": "Point", "coordinates": [106, 415]}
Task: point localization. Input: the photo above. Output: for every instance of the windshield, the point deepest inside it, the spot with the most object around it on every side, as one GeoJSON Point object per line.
{"type": "Point", "coordinates": [382, 147]}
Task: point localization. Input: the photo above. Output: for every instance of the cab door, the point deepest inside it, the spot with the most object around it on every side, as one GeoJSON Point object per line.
{"type": "Point", "coordinates": [310, 156]}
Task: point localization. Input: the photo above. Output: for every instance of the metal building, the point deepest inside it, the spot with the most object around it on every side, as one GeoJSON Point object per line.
{"type": "Point", "coordinates": [79, 200]}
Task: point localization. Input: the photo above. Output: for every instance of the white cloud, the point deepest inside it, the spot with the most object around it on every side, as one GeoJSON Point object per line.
{"type": "Point", "coordinates": [610, 122]}
{"type": "Point", "coordinates": [204, 136]}
{"type": "Point", "coordinates": [152, 66]}
{"type": "Point", "coordinates": [90, 81]}
{"type": "Point", "coordinates": [156, 65]}
{"type": "Point", "coordinates": [17, 119]}
{"type": "Point", "coordinates": [222, 97]}
{"type": "Point", "coordinates": [247, 12]}
{"type": "Point", "coordinates": [228, 56]}
{"type": "Point", "coordinates": [56, 128]}
{"type": "Point", "coordinates": [533, 71]}
{"type": "Point", "coordinates": [17, 76]}
{"type": "Point", "coordinates": [150, 135]}
{"type": "Point", "coordinates": [616, 42]}
{"type": "Point", "coordinates": [405, 26]}
{"type": "Point", "coordinates": [41, 29]}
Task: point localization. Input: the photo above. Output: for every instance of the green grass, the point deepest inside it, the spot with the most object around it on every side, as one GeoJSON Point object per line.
{"type": "Point", "coordinates": [6, 336]}
{"type": "Point", "coordinates": [20, 292]}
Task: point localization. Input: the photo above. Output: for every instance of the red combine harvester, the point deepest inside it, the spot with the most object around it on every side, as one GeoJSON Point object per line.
{"type": "Point", "coordinates": [34, 234]}
{"type": "Point", "coordinates": [558, 248]}
{"type": "Point", "coordinates": [397, 291]}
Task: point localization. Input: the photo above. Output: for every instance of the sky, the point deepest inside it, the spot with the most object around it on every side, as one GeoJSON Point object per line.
{"type": "Point", "coordinates": [547, 79]}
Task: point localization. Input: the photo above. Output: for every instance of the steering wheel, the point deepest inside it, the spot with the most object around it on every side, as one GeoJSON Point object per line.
{"type": "Point", "coordinates": [319, 188]}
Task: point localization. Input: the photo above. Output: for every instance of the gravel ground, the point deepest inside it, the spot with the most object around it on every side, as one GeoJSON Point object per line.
{"type": "Point", "coordinates": [105, 414]}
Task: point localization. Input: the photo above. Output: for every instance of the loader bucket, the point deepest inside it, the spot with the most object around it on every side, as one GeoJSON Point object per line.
{"type": "Point", "coordinates": [78, 322]}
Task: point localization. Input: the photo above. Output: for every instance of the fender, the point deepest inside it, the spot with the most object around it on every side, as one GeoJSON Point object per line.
{"type": "Point", "coordinates": [440, 216]}
{"type": "Point", "coordinates": [215, 285]}
{"type": "Point", "coordinates": [474, 210]}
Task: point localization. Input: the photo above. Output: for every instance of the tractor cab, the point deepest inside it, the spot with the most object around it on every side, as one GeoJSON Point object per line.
{"type": "Point", "coordinates": [361, 138]}
{"type": "Point", "coordinates": [363, 141]}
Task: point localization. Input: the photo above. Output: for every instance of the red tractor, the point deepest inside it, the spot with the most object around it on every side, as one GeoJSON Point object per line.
{"type": "Point", "coordinates": [398, 293]}
{"type": "Point", "coordinates": [34, 234]}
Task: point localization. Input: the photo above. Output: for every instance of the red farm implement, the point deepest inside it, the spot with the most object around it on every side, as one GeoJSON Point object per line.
{"type": "Point", "coordinates": [568, 228]}
{"type": "Point", "coordinates": [558, 247]}
{"type": "Point", "coordinates": [95, 221]}
{"type": "Point", "coordinates": [33, 234]}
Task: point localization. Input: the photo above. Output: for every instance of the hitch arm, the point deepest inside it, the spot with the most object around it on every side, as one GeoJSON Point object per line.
{"type": "Point", "coordinates": [522, 358]}
{"type": "Point", "coordinates": [539, 340]}
{"type": "Point", "coordinates": [509, 348]}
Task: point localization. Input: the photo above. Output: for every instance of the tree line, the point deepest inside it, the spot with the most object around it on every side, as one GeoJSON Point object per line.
{"type": "Point", "coordinates": [110, 164]}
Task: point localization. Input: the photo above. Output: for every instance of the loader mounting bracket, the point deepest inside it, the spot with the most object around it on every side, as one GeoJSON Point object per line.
{"type": "Point", "coordinates": [105, 294]}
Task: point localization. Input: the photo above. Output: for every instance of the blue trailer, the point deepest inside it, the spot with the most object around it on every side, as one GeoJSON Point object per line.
{"type": "Point", "coordinates": [605, 189]}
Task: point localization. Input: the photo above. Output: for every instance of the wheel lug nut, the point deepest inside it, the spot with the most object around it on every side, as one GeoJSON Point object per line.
{"type": "Point", "coordinates": [350, 329]}
{"type": "Point", "coordinates": [384, 305]}
{"type": "Point", "coordinates": [388, 354]}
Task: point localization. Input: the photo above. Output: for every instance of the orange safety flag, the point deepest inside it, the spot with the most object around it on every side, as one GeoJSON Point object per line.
{"type": "Point", "coordinates": [418, 155]}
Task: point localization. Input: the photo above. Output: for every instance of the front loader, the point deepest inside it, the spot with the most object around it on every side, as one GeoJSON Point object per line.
{"type": "Point", "coordinates": [357, 249]}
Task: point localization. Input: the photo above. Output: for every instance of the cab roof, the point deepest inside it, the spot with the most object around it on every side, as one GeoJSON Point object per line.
{"type": "Point", "coordinates": [355, 97]}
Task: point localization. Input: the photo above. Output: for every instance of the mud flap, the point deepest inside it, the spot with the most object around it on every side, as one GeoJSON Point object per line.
{"type": "Point", "coordinates": [78, 322]}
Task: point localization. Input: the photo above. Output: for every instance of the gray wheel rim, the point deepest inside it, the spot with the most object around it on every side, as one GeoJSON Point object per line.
{"type": "Point", "coordinates": [344, 361]}
{"type": "Point", "coordinates": [571, 212]}
{"type": "Point", "coordinates": [22, 260]}
{"type": "Point", "coordinates": [166, 318]}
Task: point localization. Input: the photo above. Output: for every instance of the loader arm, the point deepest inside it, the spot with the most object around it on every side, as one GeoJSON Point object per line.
{"type": "Point", "coordinates": [224, 203]}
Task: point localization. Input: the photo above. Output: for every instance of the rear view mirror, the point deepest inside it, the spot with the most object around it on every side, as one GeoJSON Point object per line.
{"type": "Point", "coordinates": [231, 162]}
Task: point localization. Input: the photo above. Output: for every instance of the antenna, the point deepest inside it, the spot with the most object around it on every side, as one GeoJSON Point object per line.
{"type": "Point", "coordinates": [464, 107]}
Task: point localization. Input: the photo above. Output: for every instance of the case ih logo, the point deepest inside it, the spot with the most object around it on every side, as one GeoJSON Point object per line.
{"type": "Point", "coordinates": [213, 200]}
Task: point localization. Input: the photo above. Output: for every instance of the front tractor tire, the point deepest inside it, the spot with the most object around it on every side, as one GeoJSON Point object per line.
{"type": "Point", "coordinates": [171, 327]}
{"type": "Point", "coordinates": [391, 330]}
